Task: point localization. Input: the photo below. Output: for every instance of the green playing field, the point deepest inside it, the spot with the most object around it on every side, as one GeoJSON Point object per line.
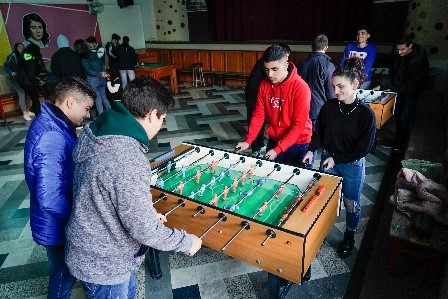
{"type": "Point", "coordinates": [246, 200]}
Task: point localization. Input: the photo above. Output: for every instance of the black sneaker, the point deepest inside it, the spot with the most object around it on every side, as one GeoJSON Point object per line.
{"type": "Point", "coordinates": [345, 248]}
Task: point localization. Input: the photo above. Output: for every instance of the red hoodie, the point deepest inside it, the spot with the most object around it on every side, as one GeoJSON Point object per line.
{"type": "Point", "coordinates": [289, 121]}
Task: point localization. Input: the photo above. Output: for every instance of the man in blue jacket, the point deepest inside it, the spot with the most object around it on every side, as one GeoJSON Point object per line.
{"type": "Point", "coordinates": [49, 170]}
{"type": "Point", "coordinates": [317, 70]}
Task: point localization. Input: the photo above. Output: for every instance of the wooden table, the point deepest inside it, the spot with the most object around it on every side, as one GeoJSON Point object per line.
{"type": "Point", "coordinates": [157, 71]}
{"type": "Point", "coordinates": [382, 103]}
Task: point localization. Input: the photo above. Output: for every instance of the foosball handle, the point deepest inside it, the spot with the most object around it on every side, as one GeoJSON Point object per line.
{"type": "Point", "coordinates": [200, 209]}
{"type": "Point", "coordinates": [271, 234]}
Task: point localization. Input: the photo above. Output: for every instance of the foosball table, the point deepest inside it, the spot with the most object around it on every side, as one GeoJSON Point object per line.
{"type": "Point", "coordinates": [381, 102]}
{"type": "Point", "coordinates": [269, 215]}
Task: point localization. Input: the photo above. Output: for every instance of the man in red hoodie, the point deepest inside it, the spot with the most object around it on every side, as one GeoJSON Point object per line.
{"type": "Point", "coordinates": [284, 98]}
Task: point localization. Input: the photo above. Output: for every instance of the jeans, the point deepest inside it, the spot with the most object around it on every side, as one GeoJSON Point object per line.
{"type": "Point", "coordinates": [404, 113]}
{"type": "Point", "coordinates": [98, 84]}
{"type": "Point", "coordinates": [353, 174]}
{"type": "Point", "coordinates": [124, 75]}
{"type": "Point", "coordinates": [292, 156]}
{"type": "Point", "coordinates": [124, 290]}
{"type": "Point", "coordinates": [61, 281]}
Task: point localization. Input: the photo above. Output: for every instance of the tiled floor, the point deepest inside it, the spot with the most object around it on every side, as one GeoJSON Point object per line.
{"type": "Point", "coordinates": [212, 116]}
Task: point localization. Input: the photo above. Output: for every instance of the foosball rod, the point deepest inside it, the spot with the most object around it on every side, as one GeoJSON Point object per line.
{"type": "Point", "coordinates": [296, 171]}
{"type": "Point", "coordinates": [245, 225]}
{"type": "Point", "coordinates": [276, 167]}
{"type": "Point", "coordinates": [181, 203]}
{"type": "Point", "coordinates": [183, 155]}
{"type": "Point", "coordinates": [297, 202]}
{"type": "Point", "coordinates": [222, 217]}
{"type": "Point", "coordinates": [211, 152]}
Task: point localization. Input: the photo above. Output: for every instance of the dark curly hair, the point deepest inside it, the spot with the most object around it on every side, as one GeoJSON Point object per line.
{"type": "Point", "coordinates": [26, 22]}
{"type": "Point", "coordinates": [353, 69]}
{"type": "Point", "coordinates": [143, 95]}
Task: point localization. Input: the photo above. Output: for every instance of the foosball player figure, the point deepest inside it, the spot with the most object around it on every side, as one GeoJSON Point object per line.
{"type": "Point", "coordinates": [212, 182]}
{"type": "Point", "coordinates": [262, 209]}
{"type": "Point", "coordinates": [243, 178]}
{"type": "Point", "coordinates": [184, 170]}
{"type": "Point", "coordinates": [280, 190]}
{"type": "Point", "coordinates": [246, 193]}
{"type": "Point", "coordinates": [225, 192]}
{"type": "Point", "coordinates": [191, 195]}
{"type": "Point", "coordinates": [168, 166]}
{"type": "Point", "coordinates": [160, 183]}
{"type": "Point", "coordinates": [201, 190]}
{"type": "Point", "coordinates": [198, 175]}
{"type": "Point", "coordinates": [230, 169]}
{"type": "Point", "coordinates": [212, 167]}
{"type": "Point", "coordinates": [221, 176]}
{"type": "Point", "coordinates": [180, 188]}
{"type": "Point", "coordinates": [214, 201]}
{"type": "Point", "coordinates": [234, 185]}
{"type": "Point", "coordinates": [251, 171]}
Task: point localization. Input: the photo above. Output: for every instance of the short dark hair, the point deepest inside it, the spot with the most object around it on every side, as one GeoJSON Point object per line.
{"type": "Point", "coordinates": [286, 47]}
{"type": "Point", "coordinates": [363, 27]}
{"type": "Point", "coordinates": [352, 69]}
{"type": "Point", "coordinates": [320, 41]}
{"type": "Point", "coordinates": [75, 87]}
{"type": "Point", "coordinates": [26, 22]}
{"type": "Point", "coordinates": [116, 36]}
{"type": "Point", "coordinates": [274, 53]}
{"type": "Point", "coordinates": [404, 40]}
{"type": "Point", "coordinates": [125, 39]}
{"type": "Point", "coordinates": [82, 48]}
{"type": "Point", "coordinates": [91, 39]}
{"type": "Point", "coordinates": [143, 95]}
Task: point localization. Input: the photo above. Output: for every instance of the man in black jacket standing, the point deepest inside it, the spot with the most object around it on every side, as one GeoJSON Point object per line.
{"type": "Point", "coordinates": [409, 78]}
{"type": "Point", "coordinates": [317, 71]}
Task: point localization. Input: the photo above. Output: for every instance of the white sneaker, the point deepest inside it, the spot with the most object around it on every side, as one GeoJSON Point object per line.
{"type": "Point", "coordinates": [27, 117]}
{"type": "Point", "coordinates": [31, 113]}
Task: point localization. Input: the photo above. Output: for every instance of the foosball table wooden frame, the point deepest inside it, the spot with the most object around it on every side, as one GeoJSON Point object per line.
{"type": "Point", "coordinates": [286, 251]}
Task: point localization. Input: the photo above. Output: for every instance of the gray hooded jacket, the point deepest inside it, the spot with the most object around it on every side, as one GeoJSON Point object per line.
{"type": "Point", "coordinates": [112, 213]}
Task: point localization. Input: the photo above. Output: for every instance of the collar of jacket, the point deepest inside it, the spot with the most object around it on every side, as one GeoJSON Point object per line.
{"type": "Point", "coordinates": [119, 121]}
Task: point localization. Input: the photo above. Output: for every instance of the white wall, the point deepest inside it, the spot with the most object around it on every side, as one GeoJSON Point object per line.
{"type": "Point", "coordinates": [122, 21]}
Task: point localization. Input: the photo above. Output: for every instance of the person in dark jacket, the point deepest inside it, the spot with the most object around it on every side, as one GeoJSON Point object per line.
{"type": "Point", "coordinates": [65, 62]}
{"type": "Point", "coordinates": [111, 50]}
{"type": "Point", "coordinates": [409, 78]}
{"type": "Point", "coordinates": [127, 59]}
{"type": "Point", "coordinates": [10, 67]}
{"type": "Point", "coordinates": [29, 67]}
{"type": "Point", "coordinates": [95, 71]}
{"type": "Point", "coordinates": [257, 75]}
{"type": "Point", "coordinates": [317, 70]}
{"type": "Point", "coordinates": [49, 170]}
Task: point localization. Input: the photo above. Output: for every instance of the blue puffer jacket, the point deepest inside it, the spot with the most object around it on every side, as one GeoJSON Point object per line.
{"type": "Point", "coordinates": [49, 172]}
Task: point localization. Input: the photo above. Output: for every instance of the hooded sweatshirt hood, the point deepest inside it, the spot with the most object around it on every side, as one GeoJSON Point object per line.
{"type": "Point", "coordinates": [62, 41]}
{"type": "Point", "coordinates": [114, 128]}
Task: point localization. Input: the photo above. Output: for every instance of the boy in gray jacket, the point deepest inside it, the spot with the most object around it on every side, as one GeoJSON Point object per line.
{"type": "Point", "coordinates": [113, 219]}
